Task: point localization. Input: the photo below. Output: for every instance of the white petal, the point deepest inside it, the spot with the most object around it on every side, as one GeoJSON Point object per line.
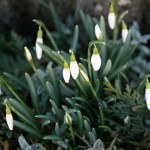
{"type": "Point", "coordinates": [9, 119]}
{"type": "Point", "coordinates": [111, 20]}
{"type": "Point", "coordinates": [98, 32]}
{"type": "Point", "coordinates": [66, 75]}
{"type": "Point", "coordinates": [84, 75]}
{"type": "Point", "coordinates": [74, 69]}
{"type": "Point", "coordinates": [28, 54]}
{"type": "Point", "coordinates": [38, 48]}
{"type": "Point", "coordinates": [147, 97]}
{"type": "Point", "coordinates": [96, 61]}
{"type": "Point", "coordinates": [124, 34]}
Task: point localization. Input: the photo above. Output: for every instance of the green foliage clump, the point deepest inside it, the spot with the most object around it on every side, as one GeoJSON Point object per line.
{"type": "Point", "coordinates": [97, 105]}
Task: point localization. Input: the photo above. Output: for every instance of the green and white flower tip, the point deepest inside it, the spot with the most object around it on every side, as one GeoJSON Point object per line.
{"type": "Point", "coordinates": [9, 118]}
{"type": "Point", "coordinates": [28, 54]}
{"type": "Point", "coordinates": [127, 120]}
{"type": "Point", "coordinates": [111, 17]}
{"type": "Point", "coordinates": [39, 39]}
{"type": "Point", "coordinates": [68, 119]}
{"type": "Point", "coordinates": [98, 32]}
{"type": "Point", "coordinates": [147, 94]}
{"type": "Point", "coordinates": [66, 72]}
{"type": "Point", "coordinates": [74, 67]}
{"type": "Point", "coordinates": [84, 75]}
{"type": "Point", "coordinates": [96, 59]}
{"type": "Point", "coordinates": [124, 31]}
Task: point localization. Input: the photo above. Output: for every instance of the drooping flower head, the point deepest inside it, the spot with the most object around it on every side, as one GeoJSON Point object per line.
{"type": "Point", "coordinates": [96, 59]}
{"type": "Point", "coordinates": [124, 31]}
{"type": "Point", "coordinates": [111, 17]}
{"type": "Point", "coordinates": [39, 39]}
{"type": "Point", "coordinates": [28, 54]}
{"type": "Point", "coordinates": [74, 68]}
{"type": "Point", "coordinates": [147, 94]}
{"type": "Point", "coordinates": [9, 118]}
{"type": "Point", "coordinates": [98, 32]}
{"type": "Point", "coordinates": [66, 72]}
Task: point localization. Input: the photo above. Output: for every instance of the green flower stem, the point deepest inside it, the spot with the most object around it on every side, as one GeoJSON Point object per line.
{"type": "Point", "coordinates": [35, 70]}
{"type": "Point", "coordinates": [81, 88]}
{"type": "Point", "coordinates": [72, 133]}
{"type": "Point", "coordinates": [12, 91]}
{"type": "Point", "coordinates": [89, 146]}
{"type": "Point", "coordinates": [93, 91]}
{"type": "Point", "coordinates": [89, 57]}
{"type": "Point", "coordinates": [142, 82]}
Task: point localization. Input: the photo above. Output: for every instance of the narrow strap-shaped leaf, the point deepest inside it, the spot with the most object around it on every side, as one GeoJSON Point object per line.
{"type": "Point", "coordinates": [67, 89]}
{"type": "Point", "coordinates": [27, 128]}
{"type": "Point", "coordinates": [57, 111]}
{"type": "Point", "coordinates": [75, 39]}
{"type": "Point", "coordinates": [15, 79]}
{"type": "Point", "coordinates": [51, 92]}
{"type": "Point", "coordinates": [52, 137]}
{"type": "Point", "coordinates": [20, 110]}
{"type": "Point", "coordinates": [54, 81]}
{"type": "Point", "coordinates": [87, 127]}
{"type": "Point", "coordinates": [90, 27]}
{"type": "Point", "coordinates": [80, 123]}
{"type": "Point", "coordinates": [34, 97]}
{"type": "Point", "coordinates": [51, 54]}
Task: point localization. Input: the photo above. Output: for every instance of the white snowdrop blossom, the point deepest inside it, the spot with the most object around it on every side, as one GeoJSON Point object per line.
{"type": "Point", "coordinates": [111, 18]}
{"type": "Point", "coordinates": [124, 31]}
{"type": "Point", "coordinates": [68, 119]}
{"type": "Point", "coordinates": [66, 72]}
{"type": "Point", "coordinates": [28, 54]}
{"type": "Point", "coordinates": [147, 94]}
{"type": "Point", "coordinates": [9, 118]}
{"type": "Point", "coordinates": [74, 67]}
{"type": "Point", "coordinates": [98, 32]}
{"type": "Point", "coordinates": [96, 59]}
{"type": "Point", "coordinates": [84, 75]}
{"type": "Point", "coordinates": [39, 39]}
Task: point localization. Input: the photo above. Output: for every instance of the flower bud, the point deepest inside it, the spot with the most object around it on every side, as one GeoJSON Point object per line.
{"type": "Point", "coordinates": [39, 40]}
{"type": "Point", "coordinates": [74, 68]}
{"type": "Point", "coordinates": [127, 120]}
{"type": "Point", "coordinates": [96, 59]}
{"type": "Point", "coordinates": [111, 17]}
{"type": "Point", "coordinates": [84, 75]}
{"type": "Point", "coordinates": [147, 94]}
{"type": "Point", "coordinates": [66, 72]}
{"type": "Point", "coordinates": [98, 32]}
{"type": "Point", "coordinates": [9, 118]}
{"type": "Point", "coordinates": [124, 31]}
{"type": "Point", "coordinates": [68, 119]}
{"type": "Point", "coordinates": [28, 54]}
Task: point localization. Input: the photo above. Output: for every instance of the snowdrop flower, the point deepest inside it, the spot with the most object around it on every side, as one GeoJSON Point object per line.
{"type": "Point", "coordinates": [147, 94]}
{"type": "Point", "coordinates": [39, 40]}
{"type": "Point", "coordinates": [127, 120]}
{"type": "Point", "coordinates": [68, 119]}
{"type": "Point", "coordinates": [84, 75]}
{"type": "Point", "coordinates": [96, 59]}
{"type": "Point", "coordinates": [66, 72]}
{"type": "Point", "coordinates": [111, 18]}
{"type": "Point", "coordinates": [98, 32]}
{"type": "Point", "coordinates": [9, 118]}
{"type": "Point", "coordinates": [28, 54]}
{"type": "Point", "coordinates": [124, 31]}
{"type": "Point", "coordinates": [74, 68]}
